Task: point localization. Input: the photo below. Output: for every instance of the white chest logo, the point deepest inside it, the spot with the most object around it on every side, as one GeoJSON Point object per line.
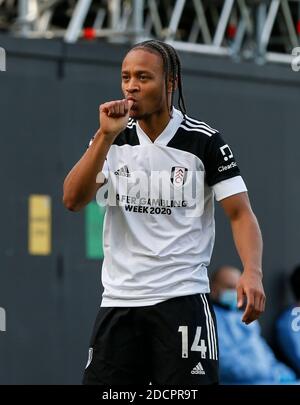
{"type": "Point", "coordinates": [178, 176]}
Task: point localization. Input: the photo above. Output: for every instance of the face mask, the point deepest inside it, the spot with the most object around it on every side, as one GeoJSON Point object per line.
{"type": "Point", "coordinates": [229, 298]}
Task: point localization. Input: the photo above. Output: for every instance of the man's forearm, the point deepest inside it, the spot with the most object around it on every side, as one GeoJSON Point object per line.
{"type": "Point", "coordinates": [248, 241]}
{"type": "Point", "coordinates": [80, 184]}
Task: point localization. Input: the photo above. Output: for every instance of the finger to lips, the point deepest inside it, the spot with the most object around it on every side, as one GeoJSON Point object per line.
{"type": "Point", "coordinates": [118, 107]}
{"type": "Point", "coordinates": [113, 111]}
{"type": "Point", "coordinates": [108, 105]}
{"type": "Point", "coordinates": [104, 108]}
{"type": "Point", "coordinates": [126, 106]}
{"type": "Point", "coordinates": [109, 108]}
{"type": "Point", "coordinates": [130, 103]}
{"type": "Point", "coordinates": [122, 108]}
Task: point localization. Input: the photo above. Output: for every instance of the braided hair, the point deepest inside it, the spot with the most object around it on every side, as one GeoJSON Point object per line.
{"type": "Point", "coordinates": [171, 66]}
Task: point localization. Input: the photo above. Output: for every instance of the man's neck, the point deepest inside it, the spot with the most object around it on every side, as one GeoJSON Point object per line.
{"type": "Point", "coordinates": [154, 125]}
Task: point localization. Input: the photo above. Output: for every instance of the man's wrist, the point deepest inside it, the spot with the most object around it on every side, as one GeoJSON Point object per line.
{"type": "Point", "coordinates": [106, 135]}
{"type": "Point", "coordinates": [253, 270]}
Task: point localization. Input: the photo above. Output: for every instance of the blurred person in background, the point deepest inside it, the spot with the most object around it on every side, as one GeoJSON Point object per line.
{"type": "Point", "coordinates": [288, 326]}
{"type": "Point", "coordinates": [244, 355]}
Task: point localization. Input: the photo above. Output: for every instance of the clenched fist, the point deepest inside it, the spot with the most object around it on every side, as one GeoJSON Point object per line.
{"type": "Point", "coordinates": [114, 117]}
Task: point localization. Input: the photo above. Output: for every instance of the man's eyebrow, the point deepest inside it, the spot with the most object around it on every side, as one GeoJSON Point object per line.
{"type": "Point", "coordinates": [138, 72]}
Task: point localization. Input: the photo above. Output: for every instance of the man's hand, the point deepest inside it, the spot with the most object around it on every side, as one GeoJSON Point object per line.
{"type": "Point", "coordinates": [250, 285]}
{"type": "Point", "coordinates": [114, 117]}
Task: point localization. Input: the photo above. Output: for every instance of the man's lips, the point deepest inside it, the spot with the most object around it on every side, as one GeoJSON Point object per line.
{"type": "Point", "coordinates": [134, 103]}
{"type": "Point", "coordinates": [131, 99]}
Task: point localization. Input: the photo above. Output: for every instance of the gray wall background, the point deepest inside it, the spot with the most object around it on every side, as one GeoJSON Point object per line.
{"type": "Point", "coordinates": [49, 102]}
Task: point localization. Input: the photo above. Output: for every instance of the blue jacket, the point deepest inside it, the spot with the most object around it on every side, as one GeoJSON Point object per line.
{"type": "Point", "coordinates": [288, 335]}
{"type": "Point", "coordinates": [244, 356]}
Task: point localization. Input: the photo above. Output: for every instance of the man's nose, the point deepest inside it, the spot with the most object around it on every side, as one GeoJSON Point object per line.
{"type": "Point", "coordinates": [132, 86]}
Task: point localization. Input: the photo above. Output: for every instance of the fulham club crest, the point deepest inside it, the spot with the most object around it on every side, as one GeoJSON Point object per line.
{"type": "Point", "coordinates": [178, 176]}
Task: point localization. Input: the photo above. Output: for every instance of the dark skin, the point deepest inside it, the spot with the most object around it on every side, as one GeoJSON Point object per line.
{"type": "Point", "coordinates": [143, 86]}
{"type": "Point", "coordinates": [228, 278]}
{"type": "Point", "coordinates": [248, 241]}
{"type": "Point", "coordinates": [143, 81]}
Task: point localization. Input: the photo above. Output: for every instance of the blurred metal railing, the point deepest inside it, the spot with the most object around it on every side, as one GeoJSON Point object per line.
{"type": "Point", "coordinates": [262, 30]}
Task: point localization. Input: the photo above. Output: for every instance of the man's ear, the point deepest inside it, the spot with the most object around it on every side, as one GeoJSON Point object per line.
{"type": "Point", "coordinates": [171, 85]}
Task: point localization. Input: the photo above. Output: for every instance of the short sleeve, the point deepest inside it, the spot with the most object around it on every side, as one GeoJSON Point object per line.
{"type": "Point", "coordinates": [222, 171]}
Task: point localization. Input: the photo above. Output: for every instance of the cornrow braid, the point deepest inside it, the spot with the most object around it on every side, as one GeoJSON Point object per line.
{"type": "Point", "coordinates": [172, 69]}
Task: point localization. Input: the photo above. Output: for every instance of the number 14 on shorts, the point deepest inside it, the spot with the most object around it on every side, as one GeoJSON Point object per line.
{"type": "Point", "coordinates": [198, 343]}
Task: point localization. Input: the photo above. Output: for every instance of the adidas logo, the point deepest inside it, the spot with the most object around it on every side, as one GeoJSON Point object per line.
{"type": "Point", "coordinates": [123, 171]}
{"type": "Point", "coordinates": [198, 369]}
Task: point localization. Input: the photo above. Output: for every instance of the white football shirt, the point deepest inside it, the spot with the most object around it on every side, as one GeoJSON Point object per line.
{"type": "Point", "coordinates": [159, 227]}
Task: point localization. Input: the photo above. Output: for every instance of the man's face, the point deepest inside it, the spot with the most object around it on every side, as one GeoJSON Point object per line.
{"type": "Point", "coordinates": [143, 82]}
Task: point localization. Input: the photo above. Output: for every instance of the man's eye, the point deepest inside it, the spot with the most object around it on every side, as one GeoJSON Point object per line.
{"type": "Point", "coordinates": [142, 77]}
{"type": "Point", "coordinates": [125, 77]}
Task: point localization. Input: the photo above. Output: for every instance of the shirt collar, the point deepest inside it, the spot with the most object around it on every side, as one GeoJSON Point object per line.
{"type": "Point", "coordinates": [166, 135]}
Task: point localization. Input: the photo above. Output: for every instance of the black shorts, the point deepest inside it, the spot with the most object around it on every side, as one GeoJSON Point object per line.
{"type": "Point", "coordinates": [173, 342]}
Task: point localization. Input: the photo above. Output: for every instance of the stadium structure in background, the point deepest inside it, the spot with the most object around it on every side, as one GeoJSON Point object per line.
{"type": "Point", "coordinates": [257, 30]}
